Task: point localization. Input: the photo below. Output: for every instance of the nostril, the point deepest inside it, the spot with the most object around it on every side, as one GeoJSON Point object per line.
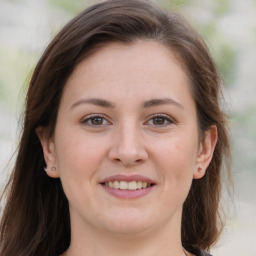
{"type": "Point", "coordinates": [127, 156]}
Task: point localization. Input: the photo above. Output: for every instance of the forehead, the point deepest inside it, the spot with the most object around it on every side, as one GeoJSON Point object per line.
{"type": "Point", "coordinates": [142, 68]}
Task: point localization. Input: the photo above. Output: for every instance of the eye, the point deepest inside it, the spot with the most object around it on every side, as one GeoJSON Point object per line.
{"type": "Point", "coordinates": [160, 120]}
{"type": "Point", "coordinates": [95, 120]}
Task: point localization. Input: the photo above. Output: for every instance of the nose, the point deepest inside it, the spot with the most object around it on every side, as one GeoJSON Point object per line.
{"type": "Point", "coordinates": [128, 147]}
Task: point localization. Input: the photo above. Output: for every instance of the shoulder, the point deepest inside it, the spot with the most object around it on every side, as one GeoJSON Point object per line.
{"type": "Point", "coordinates": [195, 250]}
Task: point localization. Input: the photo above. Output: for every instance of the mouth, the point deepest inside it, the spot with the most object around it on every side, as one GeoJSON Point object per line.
{"type": "Point", "coordinates": [125, 185]}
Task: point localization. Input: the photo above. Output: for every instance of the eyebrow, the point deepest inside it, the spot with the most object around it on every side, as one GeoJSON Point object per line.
{"type": "Point", "coordinates": [107, 104]}
{"type": "Point", "coordinates": [158, 102]}
{"type": "Point", "coordinates": [94, 101]}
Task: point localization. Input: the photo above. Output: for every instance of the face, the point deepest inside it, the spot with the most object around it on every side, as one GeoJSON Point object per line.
{"type": "Point", "coordinates": [126, 144]}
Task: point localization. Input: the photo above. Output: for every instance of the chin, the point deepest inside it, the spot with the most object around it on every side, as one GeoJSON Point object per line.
{"type": "Point", "coordinates": [126, 230]}
{"type": "Point", "coordinates": [128, 223]}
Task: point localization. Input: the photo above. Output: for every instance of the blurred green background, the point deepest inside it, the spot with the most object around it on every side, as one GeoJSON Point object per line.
{"type": "Point", "coordinates": [229, 28]}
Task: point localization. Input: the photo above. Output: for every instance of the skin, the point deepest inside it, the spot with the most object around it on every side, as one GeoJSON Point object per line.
{"type": "Point", "coordinates": [127, 139]}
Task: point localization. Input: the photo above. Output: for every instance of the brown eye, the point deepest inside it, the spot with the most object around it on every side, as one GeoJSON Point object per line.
{"type": "Point", "coordinates": [94, 121]}
{"type": "Point", "coordinates": [97, 121]}
{"type": "Point", "coordinates": [158, 120]}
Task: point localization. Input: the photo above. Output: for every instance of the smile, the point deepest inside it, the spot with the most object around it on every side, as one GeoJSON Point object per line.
{"type": "Point", "coordinates": [124, 185]}
{"type": "Point", "coordinates": [128, 186]}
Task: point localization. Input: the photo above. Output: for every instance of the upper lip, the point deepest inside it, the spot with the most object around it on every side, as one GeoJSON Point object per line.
{"type": "Point", "coordinates": [127, 178]}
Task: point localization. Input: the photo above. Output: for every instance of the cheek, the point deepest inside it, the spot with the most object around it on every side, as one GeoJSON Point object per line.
{"type": "Point", "coordinates": [77, 160]}
{"type": "Point", "coordinates": [177, 157]}
{"type": "Point", "coordinates": [77, 155]}
{"type": "Point", "coordinates": [180, 147]}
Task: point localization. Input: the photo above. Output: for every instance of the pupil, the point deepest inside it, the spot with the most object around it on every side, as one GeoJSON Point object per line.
{"type": "Point", "coordinates": [158, 121]}
{"type": "Point", "coordinates": [97, 120]}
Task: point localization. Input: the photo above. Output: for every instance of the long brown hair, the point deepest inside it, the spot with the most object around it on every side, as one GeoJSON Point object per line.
{"type": "Point", "coordinates": [35, 220]}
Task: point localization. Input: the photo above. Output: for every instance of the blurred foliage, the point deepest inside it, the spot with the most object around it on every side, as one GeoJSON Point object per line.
{"type": "Point", "coordinates": [16, 1]}
{"type": "Point", "coordinates": [173, 5]}
{"type": "Point", "coordinates": [13, 73]}
{"type": "Point", "coordinates": [223, 52]}
{"type": "Point", "coordinates": [221, 48]}
{"type": "Point", "coordinates": [222, 7]}
{"type": "Point", "coordinates": [72, 7]}
{"type": "Point", "coordinates": [225, 57]}
{"type": "Point", "coordinates": [1, 89]}
{"type": "Point", "coordinates": [248, 121]}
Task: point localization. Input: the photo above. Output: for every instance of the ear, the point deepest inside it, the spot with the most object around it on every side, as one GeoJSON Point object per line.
{"type": "Point", "coordinates": [49, 152]}
{"type": "Point", "coordinates": [205, 152]}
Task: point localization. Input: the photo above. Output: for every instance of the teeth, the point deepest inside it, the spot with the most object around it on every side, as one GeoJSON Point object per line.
{"type": "Point", "coordinates": [116, 184]}
{"type": "Point", "coordinates": [139, 184]}
{"type": "Point", "coordinates": [132, 185]}
{"type": "Point", "coordinates": [124, 185]}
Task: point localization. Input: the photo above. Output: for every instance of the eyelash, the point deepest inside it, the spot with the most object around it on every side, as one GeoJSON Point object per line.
{"type": "Point", "coordinates": [92, 117]}
{"type": "Point", "coordinates": [164, 117]}
{"type": "Point", "coordinates": [89, 118]}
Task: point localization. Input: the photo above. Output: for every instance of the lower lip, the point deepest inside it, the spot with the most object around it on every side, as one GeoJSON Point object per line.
{"type": "Point", "coordinates": [130, 194]}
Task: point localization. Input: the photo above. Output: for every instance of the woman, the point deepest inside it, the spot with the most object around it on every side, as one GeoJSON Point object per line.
{"type": "Point", "coordinates": [123, 113]}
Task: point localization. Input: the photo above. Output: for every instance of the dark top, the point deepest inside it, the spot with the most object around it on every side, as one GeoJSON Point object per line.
{"type": "Point", "coordinates": [195, 250]}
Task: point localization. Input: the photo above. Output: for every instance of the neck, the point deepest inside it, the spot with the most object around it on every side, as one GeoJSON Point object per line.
{"type": "Point", "coordinates": [162, 241]}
